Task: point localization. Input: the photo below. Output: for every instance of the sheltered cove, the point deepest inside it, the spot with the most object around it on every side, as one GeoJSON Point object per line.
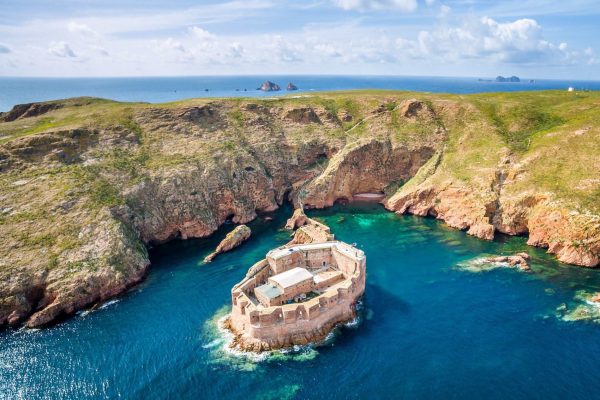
{"type": "Point", "coordinates": [298, 293]}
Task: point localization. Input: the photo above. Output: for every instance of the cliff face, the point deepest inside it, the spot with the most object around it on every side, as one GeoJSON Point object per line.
{"type": "Point", "coordinates": [545, 191]}
{"type": "Point", "coordinates": [85, 184]}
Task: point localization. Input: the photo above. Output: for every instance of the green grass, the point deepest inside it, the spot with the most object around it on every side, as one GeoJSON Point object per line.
{"type": "Point", "coordinates": [517, 124]}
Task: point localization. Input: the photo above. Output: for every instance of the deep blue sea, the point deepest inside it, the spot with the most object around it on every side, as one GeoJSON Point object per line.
{"type": "Point", "coordinates": [162, 89]}
{"type": "Point", "coordinates": [432, 326]}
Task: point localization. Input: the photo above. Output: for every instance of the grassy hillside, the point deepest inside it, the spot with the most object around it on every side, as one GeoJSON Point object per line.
{"type": "Point", "coordinates": [68, 171]}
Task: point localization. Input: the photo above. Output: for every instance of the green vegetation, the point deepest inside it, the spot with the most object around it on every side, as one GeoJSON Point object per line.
{"type": "Point", "coordinates": [517, 124]}
{"type": "Point", "coordinates": [556, 135]}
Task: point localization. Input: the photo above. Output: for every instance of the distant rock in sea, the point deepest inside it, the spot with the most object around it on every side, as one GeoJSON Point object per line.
{"type": "Point", "coordinates": [269, 86]}
{"type": "Point", "coordinates": [291, 86]}
{"type": "Point", "coordinates": [509, 79]}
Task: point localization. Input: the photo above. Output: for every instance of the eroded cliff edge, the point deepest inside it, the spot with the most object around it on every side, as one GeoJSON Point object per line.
{"type": "Point", "coordinates": [86, 184]}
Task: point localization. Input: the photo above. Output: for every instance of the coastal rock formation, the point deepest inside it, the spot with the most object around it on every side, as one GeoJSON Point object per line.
{"type": "Point", "coordinates": [518, 260]}
{"type": "Point", "coordinates": [29, 110]}
{"type": "Point", "coordinates": [297, 219]}
{"type": "Point", "coordinates": [291, 86]}
{"type": "Point", "coordinates": [86, 186]}
{"type": "Point", "coordinates": [311, 231]}
{"type": "Point", "coordinates": [483, 264]}
{"type": "Point", "coordinates": [413, 108]}
{"type": "Point", "coordinates": [233, 239]}
{"type": "Point", "coordinates": [368, 165]}
{"type": "Point", "coordinates": [269, 86]}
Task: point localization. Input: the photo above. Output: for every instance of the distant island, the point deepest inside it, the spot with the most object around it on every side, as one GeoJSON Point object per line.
{"type": "Point", "coordinates": [509, 79]}
{"type": "Point", "coordinates": [269, 86]}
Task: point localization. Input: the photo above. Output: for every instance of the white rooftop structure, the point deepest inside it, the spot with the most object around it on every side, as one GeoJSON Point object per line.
{"type": "Point", "coordinates": [291, 277]}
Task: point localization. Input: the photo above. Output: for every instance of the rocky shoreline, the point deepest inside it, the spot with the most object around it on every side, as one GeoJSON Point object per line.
{"type": "Point", "coordinates": [83, 196]}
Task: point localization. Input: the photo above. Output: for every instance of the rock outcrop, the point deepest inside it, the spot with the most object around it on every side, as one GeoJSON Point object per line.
{"type": "Point", "coordinates": [518, 260]}
{"type": "Point", "coordinates": [291, 86]}
{"type": "Point", "coordinates": [29, 110]}
{"type": "Point", "coordinates": [304, 115]}
{"type": "Point", "coordinates": [368, 165]}
{"type": "Point", "coordinates": [297, 219]}
{"type": "Point", "coordinates": [233, 239]}
{"type": "Point", "coordinates": [269, 86]}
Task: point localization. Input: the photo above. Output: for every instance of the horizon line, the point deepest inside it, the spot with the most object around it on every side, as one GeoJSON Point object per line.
{"type": "Point", "coordinates": [293, 75]}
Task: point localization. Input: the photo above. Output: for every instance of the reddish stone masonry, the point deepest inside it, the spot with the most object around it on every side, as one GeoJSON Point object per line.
{"type": "Point", "coordinates": [296, 295]}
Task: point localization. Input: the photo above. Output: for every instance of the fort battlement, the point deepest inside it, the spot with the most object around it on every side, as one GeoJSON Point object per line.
{"type": "Point", "coordinates": [297, 294]}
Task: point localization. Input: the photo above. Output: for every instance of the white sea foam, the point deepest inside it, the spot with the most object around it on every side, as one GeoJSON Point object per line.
{"type": "Point", "coordinates": [213, 343]}
{"type": "Point", "coordinates": [108, 304]}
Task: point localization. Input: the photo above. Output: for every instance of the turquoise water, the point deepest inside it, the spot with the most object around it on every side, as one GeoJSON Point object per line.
{"type": "Point", "coordinates": [428, 328]}
{"type": "Point", "coordinates": [161, 89]}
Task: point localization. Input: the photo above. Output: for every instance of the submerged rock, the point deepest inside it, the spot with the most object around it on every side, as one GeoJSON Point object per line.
{"type": "Point", "coordinates": [588, 308]}
{"type": "Point", "coordinates": [488, 263]}
{"type": "Point", "coordinates": [233, 239]}
{"type": "Point", "coordinates": [518, 260]}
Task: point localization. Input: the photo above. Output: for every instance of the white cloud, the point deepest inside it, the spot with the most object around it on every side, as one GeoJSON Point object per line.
{"type": "Point", "coordinates": [444, 11]}
{"type": "Point", "coordinates": [368, 5]}
{"type": "Point", "coordinates": [202, 34]}
{"type": "Point", "coordinates": [441, 41]}
{"type": "Point", "coordinates": [236, 50]}
{"type": "Point", "coordinates": [101, 50]}
{"type": "Point", "coordinates": [171, 44]}
{"type": "Point", "coordinates": [327, 50]}
{"type": "Point", "coordinates": [61, 49]}
{"type": "Point", "coordinates": [517, 42]}
{"type": "Point", "coordinates": [4, 49]}
{"type": "Point", "coordinates": [82, 29]}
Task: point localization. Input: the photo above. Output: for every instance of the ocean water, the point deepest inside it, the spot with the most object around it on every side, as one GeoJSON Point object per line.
{"type": "Point", "coordinates": [431, 326]}
{"type": "Point", "coordinates": [163, 89]}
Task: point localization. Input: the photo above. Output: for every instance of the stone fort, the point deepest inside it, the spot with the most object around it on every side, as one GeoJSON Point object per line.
{"type": "Point", "coordinates": [299, 292]}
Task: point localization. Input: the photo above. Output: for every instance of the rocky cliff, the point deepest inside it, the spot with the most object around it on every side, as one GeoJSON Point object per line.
{"type": "Point", "coordinates": [87, 184]}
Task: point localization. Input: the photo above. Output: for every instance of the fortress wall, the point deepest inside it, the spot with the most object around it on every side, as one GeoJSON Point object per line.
{"type": "Point", "coordinates": [258, 267]}
{"type": "Point", "coordinates": [265, 300]}
{"type": "Point", "coordinates": [348, 265]}
{"type": "Point", "coordinates": [299, 327]}
{"type": "Point", "coordinates": [335, 303]}
{"type": "Point", "coordinates": [302, 287]}
{"type": "Point", "coordinates": [259, 272]}
{"type": "Point", "coordinates": [283, 264]}
{"type": "Point", "coordinates": [315, 258]}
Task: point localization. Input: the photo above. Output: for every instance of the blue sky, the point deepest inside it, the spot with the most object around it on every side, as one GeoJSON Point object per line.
{"type": "Point", "coordinates": [531, 38]}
